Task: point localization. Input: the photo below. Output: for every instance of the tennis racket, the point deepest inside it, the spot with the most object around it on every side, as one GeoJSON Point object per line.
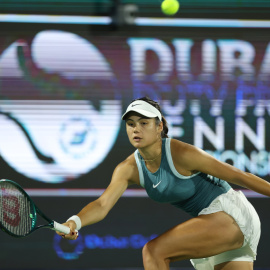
{"type": "Point", "coordinates": [18, 212]}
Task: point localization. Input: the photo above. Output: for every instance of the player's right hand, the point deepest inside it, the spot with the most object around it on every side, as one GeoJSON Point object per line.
{"type": "Point", "coordinates": [73, 235]}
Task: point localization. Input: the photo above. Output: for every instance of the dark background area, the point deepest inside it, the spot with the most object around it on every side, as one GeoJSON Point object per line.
{"type": "Point", "coordinates": [115, 243]}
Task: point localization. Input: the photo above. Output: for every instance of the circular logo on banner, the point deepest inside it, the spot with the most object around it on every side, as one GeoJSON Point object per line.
{"type": "Point", "coordinates": [78, 137]}
{"type": "Point", "coordinates": [65, 111]}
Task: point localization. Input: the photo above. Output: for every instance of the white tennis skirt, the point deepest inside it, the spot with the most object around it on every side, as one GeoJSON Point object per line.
{"type": "Point", "coordinates": [236, 205]}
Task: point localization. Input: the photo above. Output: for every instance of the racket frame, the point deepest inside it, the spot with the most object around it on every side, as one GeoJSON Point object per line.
{"type": "Point", "coordinates": [34, 210]}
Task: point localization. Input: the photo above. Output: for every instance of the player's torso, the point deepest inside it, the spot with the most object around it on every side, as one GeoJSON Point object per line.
{"type": "Point", "coordinates": [167, 185]}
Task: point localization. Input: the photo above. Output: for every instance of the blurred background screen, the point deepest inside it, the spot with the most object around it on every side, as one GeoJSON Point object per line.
{"type": "Point", "coordinates": [69, 69]}
{"type": "Point", "coordinates": [246, 9]}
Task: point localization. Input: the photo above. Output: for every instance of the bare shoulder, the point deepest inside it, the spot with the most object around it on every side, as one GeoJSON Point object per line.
{"type": "Point", "coordinates": [128, 170]}
{"type": "Point", "coordinates": [183, 154]}
{"type": "Point", "coordinates": [182, 147]}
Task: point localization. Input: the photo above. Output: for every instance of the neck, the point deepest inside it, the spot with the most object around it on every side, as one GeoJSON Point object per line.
{"type": "Point", "coordinates": [150, 160]}
{"type": "Point", "coordinates": [152, 153]}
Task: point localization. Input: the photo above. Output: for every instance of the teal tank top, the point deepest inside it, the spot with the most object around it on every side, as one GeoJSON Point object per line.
{"type": "Point", "coordinates": [190, 193]}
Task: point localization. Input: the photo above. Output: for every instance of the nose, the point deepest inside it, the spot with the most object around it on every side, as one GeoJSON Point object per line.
{"type": "Point", "coordinates": [135, 129]}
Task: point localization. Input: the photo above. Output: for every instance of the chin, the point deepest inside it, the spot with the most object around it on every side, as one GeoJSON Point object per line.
{"type": "Point", "coordinates": [137, 145]}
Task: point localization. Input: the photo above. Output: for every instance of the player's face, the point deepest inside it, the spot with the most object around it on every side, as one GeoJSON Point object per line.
{"type": "Point", "coordinates": [142, 131]}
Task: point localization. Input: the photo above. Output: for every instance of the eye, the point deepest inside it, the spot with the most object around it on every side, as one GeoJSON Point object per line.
{"type": "Point", "coordinates": [130, 124]}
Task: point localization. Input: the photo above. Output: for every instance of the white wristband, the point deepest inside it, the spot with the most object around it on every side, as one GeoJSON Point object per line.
{"type": "Point", "coordinates": [77, 220]}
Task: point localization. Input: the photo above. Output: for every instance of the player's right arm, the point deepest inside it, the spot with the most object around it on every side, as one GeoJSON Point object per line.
{"type": "Point", "coordinates": [125, 174]}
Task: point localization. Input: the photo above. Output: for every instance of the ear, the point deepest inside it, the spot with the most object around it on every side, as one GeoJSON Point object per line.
{"type": "Point", "coordinates": [160, 126]}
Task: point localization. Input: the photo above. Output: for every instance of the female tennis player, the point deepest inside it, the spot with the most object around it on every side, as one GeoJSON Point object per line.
{"type": "Point", "coordinates": [225, 229]}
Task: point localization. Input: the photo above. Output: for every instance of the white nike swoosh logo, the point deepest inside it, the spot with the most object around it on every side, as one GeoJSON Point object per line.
{"type": "Point", "coordinates": [154, 186]}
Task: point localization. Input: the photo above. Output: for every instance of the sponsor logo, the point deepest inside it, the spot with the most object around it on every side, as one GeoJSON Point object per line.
{"type": "Point", "coordinates": [67, 130]}
{"type": "Point", "coordinates": [71, 250]}
{"type": "Point", "coordinates": [154, 186]}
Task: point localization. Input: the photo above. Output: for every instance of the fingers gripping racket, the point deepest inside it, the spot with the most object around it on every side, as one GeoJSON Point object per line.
{"type": "Point", "coordinates": [18, 213]}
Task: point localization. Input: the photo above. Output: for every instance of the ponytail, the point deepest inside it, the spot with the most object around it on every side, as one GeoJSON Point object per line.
{"type": "Point", "coordinates": [164, 132]}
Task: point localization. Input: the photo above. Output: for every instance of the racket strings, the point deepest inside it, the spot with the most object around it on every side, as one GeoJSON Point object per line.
{"type": "Point", "coordinates": [16, 214]}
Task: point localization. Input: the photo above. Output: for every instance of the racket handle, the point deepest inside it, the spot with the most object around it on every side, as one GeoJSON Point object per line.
{"type": "Point", "coordinates": [61, 228]}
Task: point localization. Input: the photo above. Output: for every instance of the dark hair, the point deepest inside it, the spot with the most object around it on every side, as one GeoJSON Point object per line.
{"type": "Point", "coordinates": [156, 105]}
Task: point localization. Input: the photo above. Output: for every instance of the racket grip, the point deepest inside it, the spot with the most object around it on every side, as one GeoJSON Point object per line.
{"type": "Point", "coordinates": [61, 228]}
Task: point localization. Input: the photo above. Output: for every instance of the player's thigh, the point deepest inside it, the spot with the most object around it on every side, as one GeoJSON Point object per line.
{"type": "Point", "coordinates": [235, 266]}
{"type": "Point", "coordinates": [203, 236]}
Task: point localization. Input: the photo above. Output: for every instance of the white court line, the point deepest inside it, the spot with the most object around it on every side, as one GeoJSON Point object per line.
{"type": "Point", "coordinates": [56, 19]}
{"type": "Point", "coordinates": [140, 21]}
{"type": "Point", "coordinates": [215, 23]}
{"type": "Point", "coordinates": [130, 193]}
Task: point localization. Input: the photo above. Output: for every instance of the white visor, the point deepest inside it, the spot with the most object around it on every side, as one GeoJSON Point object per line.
{"type": "Point", "coordinates": [143, 108]}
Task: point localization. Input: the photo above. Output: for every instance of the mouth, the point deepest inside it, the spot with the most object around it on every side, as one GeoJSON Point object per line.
{"type": "Point", "coordinates": [136, 139]}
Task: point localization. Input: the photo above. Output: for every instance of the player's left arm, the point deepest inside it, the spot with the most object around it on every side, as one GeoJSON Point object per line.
{"type": "Point", "coordinates": [195, 159]}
